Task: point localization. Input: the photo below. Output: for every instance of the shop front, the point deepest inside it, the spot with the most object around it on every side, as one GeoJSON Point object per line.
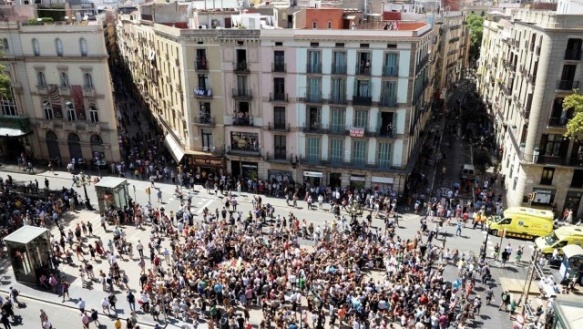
{"type": "Point", "coordinates": [572, 201]}
{"type": "Point", "coordinates": [543, 197]}
{"type": "Point", "coordinates": [245, 170]}
{"type": "Point", "coordinates": [314, 178]}
{"type": "Point", "coordinates": [206, 166]}
{"type": "Point", "coordinates": [279, 176]}
{"type": "Point", "coordinates": [357, 181]}
{"type": "Point", "coordinates": [336, 180]}
{"type": "Point", "coordinates": [382, 185]}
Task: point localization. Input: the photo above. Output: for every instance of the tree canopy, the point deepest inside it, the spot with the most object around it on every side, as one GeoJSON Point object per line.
{"type": "Point", "coordinates": [574, 102]}
{"type": "Point", "coordinates": [5, 83]}
{"type": "Point", "coordinates": [476, 26]}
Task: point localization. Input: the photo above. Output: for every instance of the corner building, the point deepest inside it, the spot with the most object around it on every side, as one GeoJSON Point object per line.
{"type": "Point", "coordinates": [530, 61]}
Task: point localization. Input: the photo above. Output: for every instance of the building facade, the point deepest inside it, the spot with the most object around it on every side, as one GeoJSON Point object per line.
{"type": "Point", "coordinates": [326, 105]}
{"type": "Point", "coordinates": [61, 83]}
{"type": "Point", "coordinates": [527, 67]}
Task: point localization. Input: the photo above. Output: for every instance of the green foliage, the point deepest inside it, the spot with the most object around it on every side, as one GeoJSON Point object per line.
{"type": "Point", "coordinates": [5, 84]}
{"type": "Point", "coordinates": [41, 20]}
{"type": "Point", "coordinates": [476, 26]}
{"type": "Point", "coordinates": [46, 12]}
{"type": "Point", "coordinates": [575, 125]}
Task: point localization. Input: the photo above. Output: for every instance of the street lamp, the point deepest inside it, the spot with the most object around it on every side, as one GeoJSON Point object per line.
{"type": "Point", "coordinates": [84, 182]}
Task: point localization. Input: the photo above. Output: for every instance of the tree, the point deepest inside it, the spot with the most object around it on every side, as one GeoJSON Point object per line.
{"type": "Point", "coordinates": [482, 159]}
{"type": "Point", "coordinates": [5, 83]}
{"type": "Point", "coordinates": [476, 26]}
{"type": "Point", "coordinates": [574, 102]}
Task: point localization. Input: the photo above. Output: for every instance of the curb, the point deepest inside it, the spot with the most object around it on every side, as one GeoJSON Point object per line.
{"type": "Point", "coordinates": [38, 299]}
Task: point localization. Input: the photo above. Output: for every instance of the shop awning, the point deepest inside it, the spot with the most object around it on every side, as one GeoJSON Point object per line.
{"type": "Point", "coordinates": [174, 148]}
{"type": "Point", "coordinates": [12, 132]}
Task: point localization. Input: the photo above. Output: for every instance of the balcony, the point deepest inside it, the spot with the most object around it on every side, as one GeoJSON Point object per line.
{"type": "Point", "coordinates": [452, 40]}
{"type": "Point", "coordinates": [93, 128]}
{"type": "Point", "coordinates": [201, 64]}
{"type": "Point", "coordinates": [339, 69]}
{"type": "Point", "coordinates": [340, 130]}
{"type": "Point", "coordinates": [278, 157]}
{"type": "Point", "coordinates": [278, 97]}
{"type": "Point", "coordinates": [46, 124]}
{"type": "Point", "coordinates": [65, 91]}
{"type": "Point", "coordinates": [388, 100]}
{"type": "Point", "coordinates": [203, 93]}
{"type": "Point", "coordinates": [42, 89]}
{"type": "Point", "coordinates": [215, 151]}
{"type": "Point", "coordinates": [390, 71]}
{"type": "Point", "coordinates": [88, 92]}
{"type": "Point", "coordinates": [241, 67]}
{"type": "Point", "coordinates": [311, 159]}
{"type": "Point", "coordinates": [279, 67]}
{"type": "Point", "coordinates": [314, 68]}
{"type": "Point", "coordinates": [573, 55]}
{"type": "Point", "coordinates": [313, 98]}
{"type": "Point", "coordinates": [204, 121]}
{"type": "Point", "coordinates": [422, 63]}
{"type": "Point", "coordinates": [555, 160]}
{"type": "Point", "coordinates": [242, 94]}
{"type": "Point", "coordinates": [337, 98]}
{"type": "Point", "coordinates": [314, 128]}
{"type": "Point", "coordinates": [362, 69]}
{"type": "Point", "coordinates": [244, 121]}
{"type": "Point", "coordinates": [243, 151]}
{"type": "Point", "coordinates": [362, 100]}
{"type": "Point", "coordinates": [567, 85]}
{"type": "Point", "coordinates": [278, 126]}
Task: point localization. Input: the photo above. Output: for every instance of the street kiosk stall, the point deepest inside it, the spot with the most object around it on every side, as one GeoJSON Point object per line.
{"type": "Point", "coordinates": [572, 263]}
{"type": "Point", "coordinates": [112, 192]}
{"type": "Point", "coordinates": [29, 249]}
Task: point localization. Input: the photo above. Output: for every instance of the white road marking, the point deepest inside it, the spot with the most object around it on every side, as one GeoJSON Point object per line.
{"type": "Point", "coordinates": [205, 205]}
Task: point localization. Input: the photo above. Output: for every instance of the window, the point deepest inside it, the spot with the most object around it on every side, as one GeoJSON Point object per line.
{"type": "Point", "coordinates": [363, 63]}
{"type": "Point", "coordinates": [93, 114]}
{"type": "Point", "coordinates": [547, 176]}
{"type": "Point", "coordinates": [389, 94]}
{"type": "Point", "coordinates": [64, 80]}
{"type": "Point", "coordinates": [279, 86]}
{"type": "Point", "coordinates": [35, 47]}
{"type": "Point", "coordinates": [279, 142]}
{"type": "Point", "coordinates": [337, 119]}
{"type": "Point", "coordinates": [391, 67]}
{"type": "Point", "coordinates": [313, 149]}
{"type": "Point", "coordinates": [338, 91]}
{"type": "Point", "coordinates": [339, 62]}
{"type": "Point", "coordinates": [329, 25]}
{"type": "Point", "coordinates": [87, 81]}
{"type": "Point", "coordinates": [577, 180]}
{"type": "Point", "coordinates": [359, 151]}
{"type": "Point", "coordinates": [8, 107]}
{"type": "Point", "coordinates": [314, 90]}
{"type": "Point", "coordinates": [336, 150]}
{"type": "Point", "coordinates": [5, 44]}
{"type": "Point", "coordinates": [314, 25]}
{"type": "Point", "coordinates": [573, 51]}
{"type": "Point", "coordinates": [59, 46]}
{"type": "Point", "coordinates": [385, 155]}
{"type": "Point", "coordinates": [279, 61]}
{"type": "Point", "coordinates": [360, 118]}
{"type": "Point", "coordinates": [553, 145]}
{"type": "Point", "coordinates": [314, 118]}
{"type": "Point", "coordinates": [71, 115]}
{"type": "Point", "coordinates": [207, 139]}
{"type": "Point", "coordinates": [48, 109]}
{"type": "Point", "coordinates": [97, 149]}
{"type": "Point", "coordinates": [201, 63]}
{"type": "Point", "coordinates": [40, 79]}
{"type": "Point", "coordinates": [279, 117]}
{"type": "Point", "coordinates": [203, 81]}
{"type": "Point", "coordinates": [362, 88]}
{"type": "Point", "coordinates": [83, 47]}
{"type": "Point", "coordinates": [241, 84]}
{"type": "Point", "coordinates": [204, 113]}
{"type": "Point", "coordinates": [314, 61]}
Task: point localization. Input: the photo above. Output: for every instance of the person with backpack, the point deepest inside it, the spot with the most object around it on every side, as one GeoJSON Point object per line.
{"type": "Point", "coordinates": [13, 294]}
{"type": "Point", "coordinates": [505, 300]}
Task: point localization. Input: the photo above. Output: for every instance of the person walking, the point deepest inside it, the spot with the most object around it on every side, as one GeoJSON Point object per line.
{"type": "Point", "coordinates": [95, 317]}
{"type": "Point", "coordinates": [140, 248]}
{"type": "Point", "coordinates": [81, 305]}
{"type": "Point", "coordinates": [65, 290]}
{"type": "Point", "coordinates": [458, 231]}
{"type": "Point", "coordinates": [85, 320]}
{"type": "Point", "coordinates": [131, 300]}
{"type": "Point", "coordinates": [5, 321]}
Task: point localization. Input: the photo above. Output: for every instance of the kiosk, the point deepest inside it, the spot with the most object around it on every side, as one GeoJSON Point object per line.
{"type": "Point", "coordinates": [112, 192]}
{"type": "Point", "coordinates": [29, 249]}
{"type": "Point", "coordinates": [572, 263]}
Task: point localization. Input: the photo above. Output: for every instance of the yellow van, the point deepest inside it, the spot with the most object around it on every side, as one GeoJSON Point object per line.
{"type": "Point", "coordinates": [521, 222]}
{"type": "Point", "coordinates": [565, 235]}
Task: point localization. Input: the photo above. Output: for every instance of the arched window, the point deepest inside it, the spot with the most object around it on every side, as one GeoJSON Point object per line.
{"type": "Point", "coordinates": [83, 46]}
{"type": "Point", "coordinates": [93, 113]}
{"type": "Point", "coordinates": [59, 46]}
{"type": "Point", "coordinates": [35, 47]}
{"type": "Point", "coordinates": [97, 149]}
{"type": "Point", "coordinates": [75, 151]}
{"type": "Point", "coordinates": [53, 145]}
{"type": "Point", "coordinates": [87, 81]}
{"type": "Point", "coordinates": [51, 136]}
{"type": "Point", "coordinates": [5, 44]}
{"type": "Point", "coordinates": [64, 79]}
{"type": "Point", "coordinates": [71, 115]}
{"type": "Point", "coordinates": [41, 79]}
{"type": "Point", "coordinates": [73, 138]}
{"type": "Point", "coordinates": [48, 110]}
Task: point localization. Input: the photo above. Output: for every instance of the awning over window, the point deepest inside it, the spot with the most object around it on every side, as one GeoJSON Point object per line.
{"type": "Point", "coordinates": [174, 148]}
{"type": "Point", "coordinates": [12, 132]}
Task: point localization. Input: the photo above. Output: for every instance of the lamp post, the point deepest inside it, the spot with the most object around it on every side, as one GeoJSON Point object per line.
{"type": "Point", "coordinates": [485, 244]}
{"type": "Point", "coordinates": [84, 182]}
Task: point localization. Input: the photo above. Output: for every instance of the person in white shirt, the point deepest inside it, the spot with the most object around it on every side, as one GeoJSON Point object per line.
{"type": "Point", "coordinates": [81, 305]}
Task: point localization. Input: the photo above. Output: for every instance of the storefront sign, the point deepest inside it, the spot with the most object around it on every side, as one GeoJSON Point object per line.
{"type": "Point", "coordinates": [356, 132]}
{"type": "Point", "coordinates": [543, 196]}
{"type": "Point", "coordinates": [250, 166]}
{"type": "Point", "coordinates": [384, 180]}
{"type": "Point", "coordinates": [313, 174]}
{"type": "Point", "coordinates": [357, 178]}
{"type": "Point", "coordinates": [209, 162]}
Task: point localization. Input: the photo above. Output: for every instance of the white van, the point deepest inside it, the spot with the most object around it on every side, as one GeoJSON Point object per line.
{"type": "Point", "coordinates": [468, 171]}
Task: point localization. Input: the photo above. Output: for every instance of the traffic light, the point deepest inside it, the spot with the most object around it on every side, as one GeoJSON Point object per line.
{"type": "Point", "coordinates": [148, 190]}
